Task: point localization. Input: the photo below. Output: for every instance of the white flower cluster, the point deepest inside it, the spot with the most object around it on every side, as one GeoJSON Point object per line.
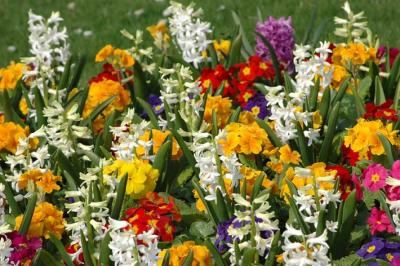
{"type": "Point", "coordinates": [96, 212]}
{"type": "Point", "coordinates": [310, 250]}
{"type": "Point", "coordinates": [24, 159]}
{"type": "Point", "coordinates": [126, 137]}
{"type": "Point", "coordinates": [62, 131]}
{"type": "Point", "coordinates": [287, 109]}
{"type": "Point", "coordinates": [5, 243]}
{"type": "Point", "coordinates": [394, 205]}
{"type": "Point", "coordinates": [190, 32]}
{"type": "Point", "coordinates": [5, 250]}
{"type": "Point", "coordinates": [353, 27]}
{"type": "Point", "coordinates": [49, 48]}
{"type": "Point", "coordinates": [252, 224]}
{"type": "Point", "coordinates": [125, 248]}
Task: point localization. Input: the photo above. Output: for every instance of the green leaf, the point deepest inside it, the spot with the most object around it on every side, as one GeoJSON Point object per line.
{"type": "Point", "coordinates": [105, 250]}
{"type": "Point", "coordinates": [257, 187]}
{"type": "Point", "coordinates": [139, 81]}
{"type": "Point", "coordinates": [293, 207]}
{"type": "Point", "coordinates": [396, 97]}
{"type": "Point", "coordinates": [364, 86]}
{"type": "Point", "coordinates": [346, 223]}
{"type": "Point", "coordinates": [26, 220]}
{"type": "Point", "coordinates": [351, 260]}
{"type": "Point", "coordinates": [327, 142]}
{"type": "Point", "coordinates": [202, 229]}
{"type": "Point", "coordinates": [342, 90]}
{"type": "Point", "coordinates": [39, 107]}
{"type": "Point", "coordinates": [314, 95]}
{"type": "Point", "coordinates": [216, 255]}
{"type": "Point", "coordinates": [235, 115]}
{"type": "Point", "coordinates": [393, 76]}
{"type": "Point", "coordinates": [321, 222]}
{"type": "Point", "coordinates": [15, 209]}
{"type": "Point", "coordinates": [234, 53]}
{"type": "Point", "coordinates": [249, 256]}
{"type": "Point", "coordinates": [388, 148]}
{"type": "Point", "coordinates": [379, 93]}
{"type": "Point", "coordinates": [271, 134]}
{"type": "Point", "coordinates": [149, 111]}
{"type": "Point", "coordinates": [324, 105]}
{"type": "Point", "coordinates": [85, 249]}
{"type": "Point", "coordinates": [165, 261]}
{"type": "Point", "coordinates": [246, 44]}
{"type": "Point", "coordinates": [77, 73]}
{"type": "Point", "coordinates": [358, 101]}
{"type": "Point", "coordinates": [221, 207]}
{"type": "Point", "coordinates": [274, 250]}
{"type": "Point", "coordinates": [214, 128]}
{"type": "Point", "coordinates": [305, 152]}
{"type": "Point", "coordinates": [213, 56]}
{"type": "Point", "coordinates": [99, 108]}
{"type": "Point", "coordinates": [45, 258]}
{"type": "Point", "coordinates": [186, 151]}
{"type": "Point", "coordinates": [209, 207]}
{"type": "Point", "coordinates": [382, 200]}
{"type": "Point", "coordinates": [274, 58]}
{"type": "Point", "coordinates": [185, 175]}
{"type": "Point", "coordinates": [61, 250]}
{"type": "Point", "coordinates": [82, 100]}
{"type": "Point", "coordinates": [65, 75]}
{"type": "Point", "coordinates": [189, 259]}
{"type": "Point", "coordinates": [119, 200]}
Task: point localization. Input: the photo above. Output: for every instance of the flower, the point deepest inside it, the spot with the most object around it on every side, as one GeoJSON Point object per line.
{"type": "Point", "coordinates": [223, 237]}
{"type": "Point", "coordinates": [100, 92]}
{"type": "Point", "coordinates": [222, 47]}
{"type": "Point", "coordinates": [370, 249]}
{"type": "Point", "coordinates": [46, 220]}
{"type": "Point", "coordinates": [158, 137]}
{"type": "Point", "coordinates": [378, 221]}
{"type": "Point", "coordinates": [221, 106]}
{"type": "Point", "coordinates": [10, 133]}
{"type": "Point", "coordinates": [382, 111]}
{"type": "Point", "coordinates": [118, 57]}
{"type": "Point", "coordinates": [10, 75]}
{"type": "Point", "coordinates": [393, 52]}
{"type": "Point", "coordinates": [104, 52]}
{"type": "Point", "coordinates": [24, 250]}
{"type": "Point", "coordinates": [354, 53]}
{"type": "Point", "coordinates": [154, 213]}
{"type": "Point", "coordinates": [279, 32]}
{"type": "Point", "coordinates": [142, 177]}
{"type": "Point", "coordinates": [156, 104]}
{"type": "Point", "coordinates": [346, 184]}
{"type": "Point", "coordinates": [46, 181]}
{"type": "Point", "coordinates": [288, 156]}
{"type": "Point", "coordinates": [178, 254]}
{"type": "Point", "coordinates": [257, 105]}
{"type": "Point", "coordinates": [363, 138]}
{"type": "Point", "coordinates": [23, 106]}
{"type": "Point", "coordinates": [374, 177]}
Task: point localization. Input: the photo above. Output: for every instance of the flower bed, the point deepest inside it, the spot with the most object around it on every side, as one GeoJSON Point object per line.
{"type": "Point", "coordinates": [194, 151]}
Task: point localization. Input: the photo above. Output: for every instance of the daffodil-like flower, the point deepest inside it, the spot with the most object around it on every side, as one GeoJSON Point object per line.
{"type": "Point", "coordinates": [142, 177]}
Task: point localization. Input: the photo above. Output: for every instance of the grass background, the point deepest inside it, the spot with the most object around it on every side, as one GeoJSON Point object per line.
{"type": "Point", "coordinates": [105, 19]}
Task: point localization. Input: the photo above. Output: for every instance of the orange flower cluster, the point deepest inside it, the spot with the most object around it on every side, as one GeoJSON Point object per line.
{"type": "Point", "coordinates": [46, 181]}
{"type": "Point", "coordinates": [46, 220]}
{"type": "Point", "coordinates": [221, 106]}
{"type": "Point", "coordinates": [117, 57]}
{"type": "Point", "coordinates": [10, 75]}
{"type": "Point", "coordinates": [158, 138]}
{"type": "Point", "coordinates": [10, 133]}
{"type": "Point", "coordinates": [154, 212]}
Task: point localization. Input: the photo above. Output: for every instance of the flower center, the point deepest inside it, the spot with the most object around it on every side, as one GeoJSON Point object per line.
{"type": "Point", "coordinates": [375, 178]}
{"type": "Point", "coordinates": [246, 71]}
{"type": "Point", "coordinates": [389, 256]}
{"type": "Point", "coordinates": [371, 249]}
{"type": "Point", "coordinates": [255, 110]}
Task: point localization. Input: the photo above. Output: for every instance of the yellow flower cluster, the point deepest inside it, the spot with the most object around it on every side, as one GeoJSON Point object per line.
{"type": "Point", "coordinates": [117, 57]}
{"type": "Point", "coordinates": [284, 156]}
{"type": "Point", "coordinates": [158, 138]}
{"type": "Point", "coordinates": [222, 107]}
{"type": "Point", "coordinates": [247, 139]}
{"type": "Point", "coordinates": [142, 177]}
{"type": "Point", "coordinates": [178, 254]}
{"type": "Point", "coordinates": [10, 75]}
{"type": "Point", "coordinates": [10, 133]}
{"type": "Point", "coordinates": [101, 91]}
{"type": "Point", "coordinates": [317, 170]}
{"type": "Point", "coordinates": [221, 47]}
{"type": "Point", "coordinates": [364, 137]}
{"type": "Point", "coordinates": [46, 220]}
{"type": "Point", "coordinates": [46, 181]}
{"type": "Point", "coordinates": [354, 53]}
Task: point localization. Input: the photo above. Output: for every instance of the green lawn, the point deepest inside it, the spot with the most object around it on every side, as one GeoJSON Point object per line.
{"type": "Point", "coordinates": [105, 18]}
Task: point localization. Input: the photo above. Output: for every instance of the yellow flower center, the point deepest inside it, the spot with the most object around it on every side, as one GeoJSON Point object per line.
{"type": "Point", "coordinates": [158, 107]}
{"type": "Point", "coordinates": [255, 110]}
{"type": "Point", "coordinates": [375, 178]}
{"type": "Point", "coordinates": [206, 83]}
{"type": "Point", "coordinates": [246, 71]}
{"type": "Point", "coordinates": [371, 249]}
{"type": "Point", "coordinates": [389, 256]}
{"type": "Point", "coordinates": [247, 96]}
{"type": "Point", "coordinates": [263, 66]}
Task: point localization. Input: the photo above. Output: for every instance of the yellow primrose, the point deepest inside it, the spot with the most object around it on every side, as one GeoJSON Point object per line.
{"type": "Point", "coordinates": [178, 254]}
{"type": "Point", "coordinates": [10, 75]}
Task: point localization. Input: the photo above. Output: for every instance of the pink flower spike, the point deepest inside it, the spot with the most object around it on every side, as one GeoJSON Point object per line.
{"type": "Point", "coordinates": [375, 177]}
{"type": "Point", "coordinates": [378, 221]}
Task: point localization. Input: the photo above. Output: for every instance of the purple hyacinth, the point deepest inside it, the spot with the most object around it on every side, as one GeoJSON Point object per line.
{"type": "Point", "coordinates": [258, 106]}
{"type": "Point", "coordinates": [279, 32]}
{"type": "Point", "coordinates": [223, 238]}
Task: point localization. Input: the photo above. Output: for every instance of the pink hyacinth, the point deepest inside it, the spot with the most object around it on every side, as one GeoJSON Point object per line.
{"type": "Point", "coordinates": [378, 221]}
{"type": "Point", "coordinates": [374, 177]}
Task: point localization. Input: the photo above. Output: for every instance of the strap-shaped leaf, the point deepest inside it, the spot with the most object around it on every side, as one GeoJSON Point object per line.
{"type": "Point", "coordinates": [271, 134]}
{"type": "Point", "coordinates": [189, 259]}
{"type": "Point", "coordinates": [274, 58]}
{"type": "Point", "coordinates": [45, 258]}
{"type": "Point", "coordinates": [100, 108]}
{"type": "Point", "coordinates": [15, 209]}
{"type": "Point", "coordinates": [216, 255]}
{"type": "Point", "coordinates": [166, 259]}
{"type": "Point", "coordinates": [324, 105]}
{"type": "Point", "coordinates": [119, 200]}
{"type": "Point", "coordinates": [85, 248]}
{"type": "Point", "coordinates": [246, 44]}
{"type": "Point", "coordinates": [330, 133]}
{"type": "Point", "coordinates": [105, 250]}
{"type": "Point", "coordinates": [393, 76]}
{"type": "Point", "coordinates": [388, 148]}
{"type": "Point", "coordinates": [76, 76]}
{"type": "Point", "coordinates": [379, 93]}
{"type": "Point", "coordinates": [61, 250]}
{"type": "Point", "coordinates": [26, 220]}
{"type": "Point", "coordinates": [235, 51]}
{"type": "Point", "coordinates": [305, 151]}
{"type": "Point", "coordinates": [274, 250]}
{"type": "Point", "coordinates": [149, 111]}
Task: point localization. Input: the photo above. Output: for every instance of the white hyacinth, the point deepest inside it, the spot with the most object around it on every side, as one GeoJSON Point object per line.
{"type": "Point", "coordinates": [49, 49]}
{"type": "Point", "coordinates": [352, 27]}
{"type": "Point", "coordinates": [189, 31]}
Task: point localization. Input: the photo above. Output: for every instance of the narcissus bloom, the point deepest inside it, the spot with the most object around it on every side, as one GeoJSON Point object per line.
{"type": "Point", "coordinates": [46, 220]}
